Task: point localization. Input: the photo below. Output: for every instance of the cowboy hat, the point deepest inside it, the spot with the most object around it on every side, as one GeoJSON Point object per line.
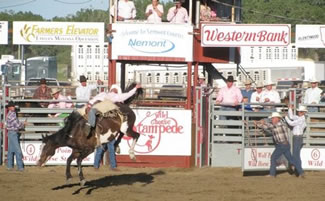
{"type": "Point", "coordinates": [268, 83]}
{"type": "Point", "coordinates": [230, 79]}
{"type": "Point", "coordinates": [201, 76]}
{"type": "Point", "coordinates": [10, 104]}
{"type": "Point", "coordinates": [302, 108]}
{"type": "Point", "coordinates": [275, 114]}
{"type": "Point", "coordinates": [259, 85]}
{"type": "Point", "coordinates": [114, 86]}
{"type": "Point", "coordinates": [313, 80]}
{"type": "Point", "coordinates": [247, 82]}
{"type": "Point", "coordinates": [82, 78]}
{"type": "Point", "coordinates": [55, 90]}
{"type": "Point", "coordinates": [42, 81]}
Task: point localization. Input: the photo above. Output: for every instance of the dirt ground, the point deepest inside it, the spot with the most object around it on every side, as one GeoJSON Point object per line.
{"type": "Point", "coordinates": [158, 184]}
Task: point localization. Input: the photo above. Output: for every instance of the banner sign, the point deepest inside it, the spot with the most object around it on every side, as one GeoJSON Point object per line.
{"type": "Point", "coordinates": [162, 133]}
{"type": "Point", "coordinates": [313, 158]}
{"type": "Point", "coordinates": [58, 33]}
{"type": "Point", "coordinates": [260, 159]}
{"type": "Point", "coordinates": [32, 150]}
{"type": "Point", "coordinates": [4, 32]}
{"type": "Point", "coordinates": [152, 40]}
{"type": "Point", "coordinates": [310, 36]}
{"type": "Point", "coordinates": [236, 35]}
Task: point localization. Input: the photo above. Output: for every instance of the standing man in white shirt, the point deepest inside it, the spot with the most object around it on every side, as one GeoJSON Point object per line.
{"type": "Point", "coordinates": [83, 92]}
{"type": "Point", "coordinates": [177, 13]}
{"type": "Point", "coordinates": [298, 122]}
{"type": "Point", "coordinates": [125, 10]}
{"type": "Point", "coordinates": [154, 11]}
{"type": "Point", "coordinates": [313, 95]}
{"type": "Point", "coordinates": [269, 95]}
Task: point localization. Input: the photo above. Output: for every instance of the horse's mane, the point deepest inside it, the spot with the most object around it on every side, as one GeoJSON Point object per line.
{"type": "Point", "coordinates": [61, 135]}
{"type": "Point", "coordinates": [137, 94]}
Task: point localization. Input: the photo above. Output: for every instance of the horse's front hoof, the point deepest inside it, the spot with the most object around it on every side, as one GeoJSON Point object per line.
{"type": "Point", "coordinates": [118, 150]}
{"type": "Point", "coordinates": [82, 182]}
{"type": "Point", "coordinates": [68, 181]}
{"type": "Point", "coordinates": [132, 157]}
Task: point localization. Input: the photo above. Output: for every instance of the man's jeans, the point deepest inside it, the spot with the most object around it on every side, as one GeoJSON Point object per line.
{"type": "Point", "coordinates": [14, 148]}
{"type": "Point", "coordinates": [297, 145]}
{"type": "Point", "coordinates": [100, 151]}
{"type": "Point", "coordinates": [285, 150]}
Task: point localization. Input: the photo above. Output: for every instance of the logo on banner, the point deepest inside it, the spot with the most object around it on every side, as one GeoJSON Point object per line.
{"type": "Point", "coordinates": [153, 46]}
{"type": "Point", "coordinates": [30, 149]}
{"type": "Point", "coordinates": [152, 128]}
{"type": "Point", "coordinates": [315, 154]}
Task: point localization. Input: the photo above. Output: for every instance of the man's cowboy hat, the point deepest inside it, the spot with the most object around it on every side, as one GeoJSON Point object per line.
{"type": "Point", "coordinates": [114, 86]}
{"type": "Point", "coordinates": [313, 80]}
{"type": "Point", "coordinates": [55, 90]}
{"type": "Point", "coordinates": [259, 85]}
{"type": "Point", "coordinates": [42, 81]}
{"type": "Point", "coordinates": [275, 114]}
{"type": "Point", "coordinates": [201, 76]}
{"type": "Point", "coordinates": [268, 83]}
{"type": "Point", "coordinates": [82, 78]}
{"type": "Point", "coordinates": [10, 104]}
{"type": "Point", "coordinates": [230, 79]}
{"type": "Point", "coordinates": [302, 108]}
{"type": "Point", "coordinates": [247, 82]}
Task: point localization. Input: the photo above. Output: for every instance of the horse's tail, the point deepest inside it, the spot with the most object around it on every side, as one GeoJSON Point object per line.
{"type": "Point", "coordinates": [137, 94]}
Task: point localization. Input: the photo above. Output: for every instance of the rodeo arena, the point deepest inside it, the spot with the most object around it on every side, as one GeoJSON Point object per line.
{"type": "Point", "coordinates": [182, 68]}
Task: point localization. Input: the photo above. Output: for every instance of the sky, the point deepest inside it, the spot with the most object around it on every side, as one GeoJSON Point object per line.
{"type": "Point", "coordinates": [51, 8]}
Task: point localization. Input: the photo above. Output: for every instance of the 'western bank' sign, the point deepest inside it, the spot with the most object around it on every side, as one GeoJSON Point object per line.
{"type": "Point", "coordinates": [152, 40]}
{"type": "Point", "coordinates": [236, 35]}
{"type": "Point", "coordinates": [58, 33]}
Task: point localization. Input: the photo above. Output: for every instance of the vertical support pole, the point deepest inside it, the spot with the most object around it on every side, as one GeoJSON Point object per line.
{"type": "Point", "coordinates": [189, 85]}
{"type": "Point", "coordinates": [122, 77]}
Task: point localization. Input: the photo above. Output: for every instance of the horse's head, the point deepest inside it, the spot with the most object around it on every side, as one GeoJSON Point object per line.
{"type": "Point", "coordinates": [137, 94]}
{"type": "Point", "coordinates": [48, 147]}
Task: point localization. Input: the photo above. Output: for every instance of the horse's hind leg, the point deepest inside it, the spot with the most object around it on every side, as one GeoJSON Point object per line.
{"type": "Point", "coordinates": [68, 168]}
{"type": "Point", "coordinates": [135, 136]}
{"type": "Point", "coordinates": [79, 160]}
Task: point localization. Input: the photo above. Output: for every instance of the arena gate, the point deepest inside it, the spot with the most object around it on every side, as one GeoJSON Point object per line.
{"type": "Point", "coordinates": [237, 142]}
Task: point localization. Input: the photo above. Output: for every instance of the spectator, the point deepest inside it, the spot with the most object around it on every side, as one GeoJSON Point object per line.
{"type": "Point", "coordinates": [281, 138]}
{"type": "Point", "coordinates": [229, 96]}
{"type": "Point", "coordinates": [256, 96]}
{"type": "Point", "coordinates": [299, 125]}
{"type": "Point", "coordinates": [43, 92]}
{"type": "Point", "coordinates": [83, 92]}
{"type": "Point", "coordinates": [177, 13]}
{"type": "Point", "coordinates": [154, 11]}
{"type": "Point", "coordinates": [13, 126]}
{"type": "Point", "coordinates": [125, 10]}
{"type": "Point", "coordinates": [60, 102]}
{"type": "Point", "coordinates": [313, 96]}
{"type": "Point", "coordinates": [248, 91]}
{"type": "Point", "coordinates": [271, 96]}
{"type": "Point", "coordinates": [206, 13]}
{"type": "Point", "coordinates": [99, 155]}
{"type": "Point", "coordinates": [201, 80]}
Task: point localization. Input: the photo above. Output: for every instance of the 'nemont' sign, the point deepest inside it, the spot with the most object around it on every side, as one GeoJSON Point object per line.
{"type": "Point", "coordinates": [236, 35]}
